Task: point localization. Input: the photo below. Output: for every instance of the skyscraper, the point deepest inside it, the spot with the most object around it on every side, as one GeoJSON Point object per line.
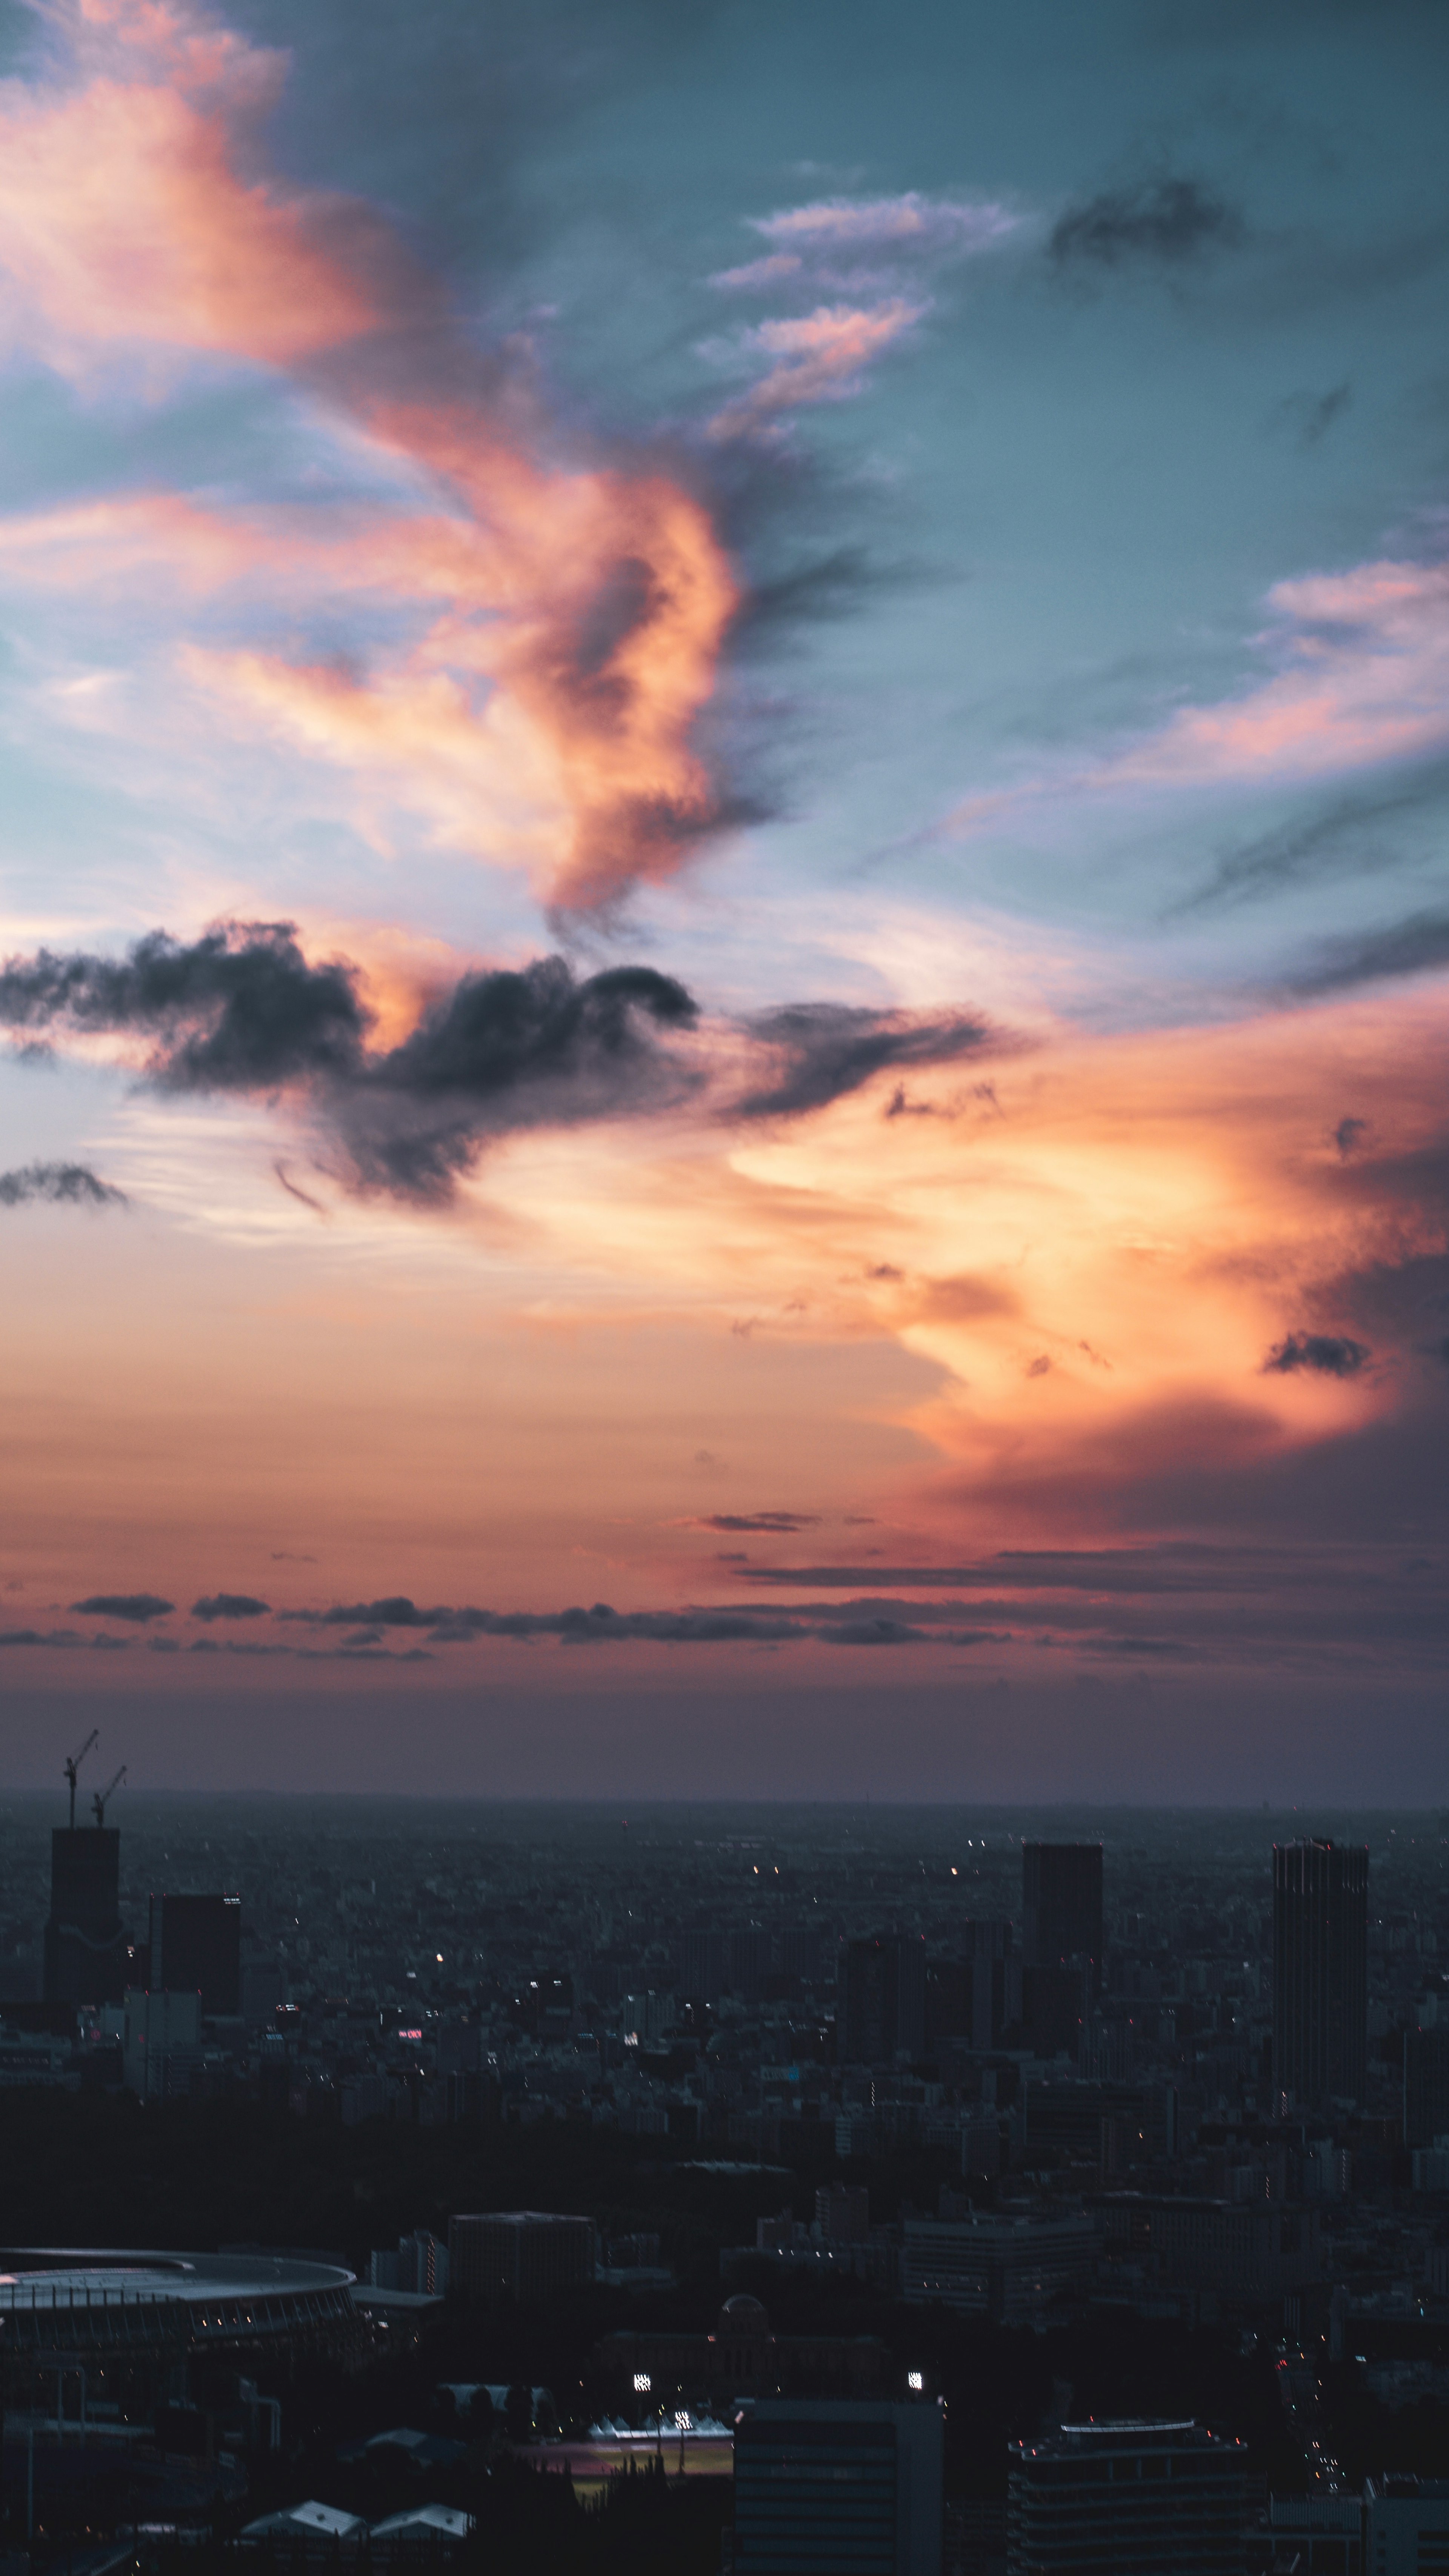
{"type": "Point", "coordinates": [1061, 1905]}
{"type": "Point", "coordinates": [85, 1947]}
{"type": "Point", "coordinates": [1320, 1972]}
{"type": "Point", "coordinates": [837, 2484]}
{"type": "Point", "coordinates": [882, 1999]}
{"type": "Point", "coordinates": [196, 1949]}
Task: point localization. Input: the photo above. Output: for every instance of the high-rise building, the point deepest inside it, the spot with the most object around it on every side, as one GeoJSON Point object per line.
{"type": "Point", "coordinates": [1426, 2086]}
{"type": "Point", "coordinates": [1406, 2526]}
{"type": "Point", "coordinates": [86, 1956]}
{"type": "Point", "coordinates": [1061, 1906]}
{"type": "Point", "coordinates": [1136, 2498]}
{"type": "Point", "coordinates": [519, 2256]}
{"type": "Point", "coordinates": [838, 2484]}
{"type": "Point", "coordinates": [881, 2005]}
{"type": "Point", "coordinates": [196, 1949]}
{"type": "Point", "coordinates": [1320, 1972]}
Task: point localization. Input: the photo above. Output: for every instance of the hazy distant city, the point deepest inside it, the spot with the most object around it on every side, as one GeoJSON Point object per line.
{"type": "Point", "coordinates": [625, 2123]}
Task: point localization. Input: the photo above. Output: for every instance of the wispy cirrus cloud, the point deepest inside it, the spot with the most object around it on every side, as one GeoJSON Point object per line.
{"type": "Point", "coordinates": [809, 358]}
{"type": "Point", "coordinates": [1362, 681]}
{"type": "Point", "coordinates": [852, 249]}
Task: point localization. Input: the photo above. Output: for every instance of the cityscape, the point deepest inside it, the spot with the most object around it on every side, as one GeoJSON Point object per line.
{"type": "Point", "coordinates": [724, 1288]}
{"type": "Point", "coordinates": [672, 2148]}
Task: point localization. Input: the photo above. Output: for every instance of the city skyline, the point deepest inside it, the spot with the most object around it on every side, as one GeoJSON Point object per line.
{"type": "Point", "coordinates": [722, 937]}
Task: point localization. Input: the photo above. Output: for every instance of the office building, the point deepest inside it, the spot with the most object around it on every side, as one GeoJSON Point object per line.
{"type": "Point", "coordinates": [420, 2265]}
{"type": "Point", "coordinates": [881, 2006]}
{"type": "Point", "coordinates": [1323, 2533]}
{"type": "Point", "coordinates": [842, 2213]}
{"type": "Point", "coordinates": [519, 2256]}
{"type": "Point", "coordinates": [86, 1957]}
{"type": "Point", "coordinates": [1012, 2270]}
{"type": "Point", "coordinates": [1061, 1906]}
{"type": "Point", "coordinates": [1426, 2086]}
{"type": "Point", "coordinates": [160, 2037]}
{"type": "Point", "coordinates": [196, 1947]}
{"type": "Point", "coordinates": [838, 2485]}
{"type": "Point", "coordinates": [1320, 1973]}
{"type": "Point", "coordinates": [1131, 2499]}
{"type": "Point", "coordinates": [1406, 2526]}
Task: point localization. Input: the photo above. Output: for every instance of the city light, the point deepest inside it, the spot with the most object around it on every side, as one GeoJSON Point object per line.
{"type": "Point", "coordinates": [915, 2381]}
{"type": "Point", "coordinates": [642, 2383]}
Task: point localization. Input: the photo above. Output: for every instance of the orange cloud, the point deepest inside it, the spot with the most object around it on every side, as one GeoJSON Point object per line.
{"type": "Point", "coordinates": [584, 609]}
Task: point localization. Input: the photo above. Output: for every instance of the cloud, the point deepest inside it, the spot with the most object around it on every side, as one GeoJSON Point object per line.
{"type": "Point", "coordinates": [1325, 1354]}
{"type": "Point", "coordinates": [821, 1050]}
{"type": "Point", "coordinates": [831, 1623]}
{"type": "Point", "coordinates": [1353, 835]}
{"type": "Point", "coordinates": [137, 1606]}
{"type": "Point", "coordinates": [510, 1049]}
{"type": "Point", "coordinates": [910, 221]}
{"type": "Point", "coordinates": [238, 1009]}
{"type": "Point", "coordinates": [773, 1523]}
{"type": "Point", "coordinates": [229, 1605]}
{"type": "Point", "coordinates": [1363, 680]}
{"type": "Point", "coordinates": [1418, 945]}
{"type": "Point", "coordinates": [58, 1185]}
{"type": "Point", "coordinates": [497, 1051]}
{"type": "Point", "coordinates": [810, 358]}
{"type": "Point", "coordinates": [556, 623]}
{"type": "Point", "coordinates": [1348, 1135]}
{"type": "Point", "coordinates": [1160, 219]}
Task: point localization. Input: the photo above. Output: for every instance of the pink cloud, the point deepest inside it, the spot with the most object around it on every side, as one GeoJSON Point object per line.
{"type": "Point", "coordinates": [910, 221]}
{"type": "Point", "coordinates": [574, 616]}
{"type": "Point", "coordinates": [816, 357]}
{"type": "Point", "coordinates": [770, 271]}
{"type": "Point", "coordinates": [1363, 680]}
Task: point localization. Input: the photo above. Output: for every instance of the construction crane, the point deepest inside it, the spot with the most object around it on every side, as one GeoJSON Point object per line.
{"type": "Point", "coordinates": [74, 1764]}
{"type": "Point", "coordinates": [102, 1797]}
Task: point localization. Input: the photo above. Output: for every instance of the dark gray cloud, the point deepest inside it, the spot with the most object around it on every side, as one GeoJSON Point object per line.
{"type": "Point", "coordinates": [858, 1623]}
{"type": "Point", "coordinates": [509, 1049]}
{"type": "Point", "coordinates": [1313, 415]}
{"type": "Point", "coordinates": [58, 1185]}
{"type": "Point", "coordinates": [138, 1606]}
{"type": "Point", "coordinates": [1323, 1354]}
{"type": "Point", "coordinates": [1159, 219]}
{"type": "Point", "coordinates": [773, 1523]}
{"type": "Point", "coordinates": [1354, 835]}
{"type": "Point", "coordinates": [1348, 1135]}
{"type": "Point", "coordinates": [1409, 947]}
{"type": "Point", "coordinates": [822, 1050]}
{"type": "Point", "coordinates": [229, 1605]}
{"type": "Point", "coordinates": [239, 1009]}
{"type": "Point", "coordinates": [242, 1009]}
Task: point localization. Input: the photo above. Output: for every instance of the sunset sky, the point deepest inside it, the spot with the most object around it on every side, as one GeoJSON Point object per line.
{"type": "Point", "coordinates": [723, 1054]}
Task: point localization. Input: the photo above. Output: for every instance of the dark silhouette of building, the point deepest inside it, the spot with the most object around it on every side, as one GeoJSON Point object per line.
{"type": "Point", "coordinates": [881, 2005]}
{"type": "Point", "coordinates": [516, 2256]}
{"type": "Point", "coordinates": [86, 1952]}
{"type": "Point", "coordinates": [1136, 2498]}
{"type": "Point", "coordinates": [1061, 1906]}
{"type": "Point", "coordinates": [196, 1948]}
{"type": "Point", "coordinates": [1426, 2087]}
{"type": "Point", "coordinates": [1320, 1972]}
{"type": "Point", "coordinates": [831, 2486]}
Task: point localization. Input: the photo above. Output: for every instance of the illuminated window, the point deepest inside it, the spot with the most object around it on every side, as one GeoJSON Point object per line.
{"type": "Point", "coordinates": [916, 2381]}
{"type": "Point", "coordinates": [642, 2383]}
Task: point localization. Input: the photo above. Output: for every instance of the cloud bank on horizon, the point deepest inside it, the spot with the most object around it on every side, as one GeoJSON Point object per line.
{"type": "Point", "coordinates": [827, 771]}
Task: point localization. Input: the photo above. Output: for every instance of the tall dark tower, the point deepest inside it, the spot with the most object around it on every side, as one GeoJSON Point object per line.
{"type": "Point", "coordinates": [85, 1947]}
{"type": "Point", "coordinates": [1320, 1972]}
{"type": "Point", "coordinates": [1061, 1905]}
